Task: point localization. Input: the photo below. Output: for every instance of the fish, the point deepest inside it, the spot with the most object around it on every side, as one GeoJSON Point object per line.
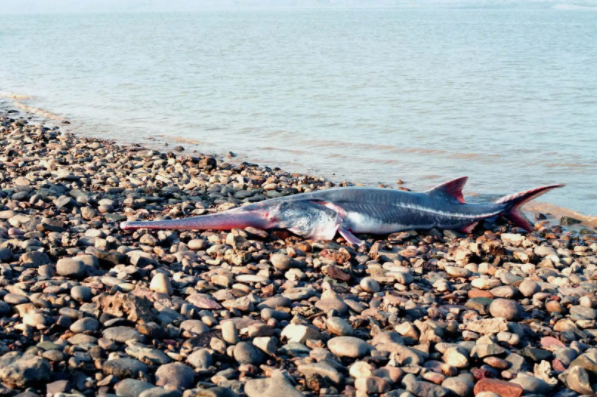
{"type": "Point", "coordinates": [347, 211]}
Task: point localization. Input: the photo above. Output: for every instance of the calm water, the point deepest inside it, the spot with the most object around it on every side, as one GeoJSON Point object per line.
{"type": "Point", "coordinates": [504, 94]}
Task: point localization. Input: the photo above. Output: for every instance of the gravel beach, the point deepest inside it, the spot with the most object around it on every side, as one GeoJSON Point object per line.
{"type": "Point", "coordinates": [88, 309]}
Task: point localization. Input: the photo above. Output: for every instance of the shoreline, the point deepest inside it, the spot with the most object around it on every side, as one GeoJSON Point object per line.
{"type": "Point", "coordinates": [87, 308]}
{"type": "Point", "coordinates": [553, 212]}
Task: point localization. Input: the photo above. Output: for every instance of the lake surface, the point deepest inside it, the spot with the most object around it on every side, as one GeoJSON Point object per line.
{"type": "Point", "coordinates": [506, 94]}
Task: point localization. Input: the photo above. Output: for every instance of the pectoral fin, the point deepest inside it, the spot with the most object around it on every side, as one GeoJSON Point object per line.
{"type": "Point", "coordinates": [349, 237]}
{"type": "Point", "coordinates": [469, 228]}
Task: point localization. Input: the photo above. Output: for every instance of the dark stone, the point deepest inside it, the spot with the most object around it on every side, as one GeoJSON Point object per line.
{"type": "Point", "coordinates": [124, 368]}
{"type": "Point", "coordinates": [60, 386]}
{"type": "Point", "coordinates": [569, 221]}
{"type": "Point", "coordinates": [216, 392]}
{"type": "Point", "coordinates": [536, 354]}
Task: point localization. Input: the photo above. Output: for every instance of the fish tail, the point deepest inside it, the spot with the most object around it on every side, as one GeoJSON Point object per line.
{"type": "Point", "coordinates": [513, 212]}
{"type": "Point", "coordinates": [221, 221]}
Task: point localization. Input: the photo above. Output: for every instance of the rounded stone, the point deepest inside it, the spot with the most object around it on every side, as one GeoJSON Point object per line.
{"type": "Point", "coordinates": [331, 304]}
{"type": "Point", "coordinates": [197, 244]}
{"type": "Point", "coordinates": [230, 333]}
{"type": "Point", "coordinates": [132, 387]}
{"type": "Point", "coordinates": [81, 293]}
{"type": "Point", "coordinates": [339, 326]}
{"type": "Point", "coordinates": [532, 385]}
{"type": "Point", "coordinates": [218, 392]}
{"type": "Point", "coordinates": [160, 392]}
{"type": "Point", "coordinates": [403, 278]}
{"type": "Point", "coordinates": [369, 284]}
{"type": "Point", "coordinates": [86, 324]}
{"type": "Point", "coordinates": [53, 355]}
{"type": "Point", "coordinates": [456, 357]}
{"type": "Point", "coordinates": [348, 346]}
{"type": "Point", "coordinates": [161, 283]}
{"type": "Point", "coordinates": [4, 308]}
{"type": "Point", "coordinates": [505, 308]}
{"type": "Point", "coordinates": [529, 288]}
{"type": "Point", "coordinates": [504, 291]}
{"type": "Point", "coordinates": [18, 369]}
{"type": "Point", "coordinates": [197, 327]}
{"type": "Point", "coordinates": [361, 369]}
{"type": "Point", "coordinates": [15, 299]}
{"type": "Point", "coordinates": [70, 267]}
{"type": "Point", "coordinates": [46, 271]}
{"type": "Point", "coordinates": [200, 359]}
{"type": "Point", "coordinates": [34, 319]}
{"type": "Point", "coordinates": [124, 368]}
{"type": "Point", "coordinates": [247, 353]}
{"type": "Point", "coordinates": [281, 261]}
{"type": "Point", "coordinates": [372, 385]}
{"type": "Point", "coordinates": [461, 386]}
{"type": "Point", "coordinates": [554, 307]}
{"type": "Point", "coordinates": [147, 355]}
{"type": "Point", "coordinates": [122, 334]}
{"type": "Point", "coordinates": [175, 376]}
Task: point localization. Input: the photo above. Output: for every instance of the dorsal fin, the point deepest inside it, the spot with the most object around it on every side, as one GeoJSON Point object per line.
{"type": "Point", "coordinates": [451, 190]}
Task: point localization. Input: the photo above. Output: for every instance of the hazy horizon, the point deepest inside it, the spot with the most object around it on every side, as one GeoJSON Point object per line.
{"type": "Point", "coordinates": [103, 6]}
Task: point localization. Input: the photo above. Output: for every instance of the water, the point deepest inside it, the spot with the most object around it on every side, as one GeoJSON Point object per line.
{"type": "Point", "coordinates": [505, 94]}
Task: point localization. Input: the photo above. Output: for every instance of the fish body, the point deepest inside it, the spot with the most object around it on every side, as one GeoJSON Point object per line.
{"type": "Point", "coordinates": [322, 214]}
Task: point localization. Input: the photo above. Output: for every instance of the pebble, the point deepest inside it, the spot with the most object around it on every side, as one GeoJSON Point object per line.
{"type": "Point", "coordinates": [124, 368]}
{"type": "Point", "coordinates": [266, 344]}
{"type": "Point", "coordinates": [175, 376]}
{"type": "Point", "coordinates": [71, 268]}
{"type": "Point", "coordinates": [532, 385]}
{"type": "Point", "coordinates": [281, 261]}
{"type": "Point", "coordinates": [348, 346]}
{"type": "Point", "coordinates": [369, 284]}
{"type": "Point", "coordinates": [147, 355]}
{"type": "Point", "coordinates": [372, 385]}
{"type": "Point", "coordinates": [456, 357]}
{"type": "Point", "coordinates": [122, 334]}
{"type": "Point", "coordinates": [87, 324]}
{"type": "Point", "coordinates": [361, 369]}
{"type": "Point", "coordinates": [499, 387]}
{"type": "Point", "coordinates": [200, 359]}
{"type": "Point", "coordinates": [230, 333]}
{"type": "Point", "coordinates": [131, 387]}
{"type": "Point", "coordinates": [34, 319]}
{"type": "Point", "coordinates": [247, 353]}
{"type": "Point", "coordinates": [461, 385]}
{"type": "Point", "coordinates": [21, 370]}
{"type": "Point", "coordinates": [326, 371]}
{"type": "Point", "coordinates": [96, 310]}
{"type": "Point", "coordinates": [529, 288]}
{"type": "Point", "coordinates": [15, 299]}
{"type": "Point", "coordinates": [339, 326]}
{"type": "Point", "coordinates": [275, 386]}
{"type": "Point", "coordinates": [161, 283]}
{"type": "Point", "coordinates": [505, 308]}
{"type": "Point", "coordinates": [81, 293]}
{"type": "Point", "coordinates": [300, 333]}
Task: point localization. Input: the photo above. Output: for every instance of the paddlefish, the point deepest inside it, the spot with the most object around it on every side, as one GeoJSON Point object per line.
{"type": "Point", "coordinates": [348, 211]}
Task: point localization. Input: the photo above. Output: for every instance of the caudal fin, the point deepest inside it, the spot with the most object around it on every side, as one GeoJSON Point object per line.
{"type": "Point", "coordinates": [513, 212]}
